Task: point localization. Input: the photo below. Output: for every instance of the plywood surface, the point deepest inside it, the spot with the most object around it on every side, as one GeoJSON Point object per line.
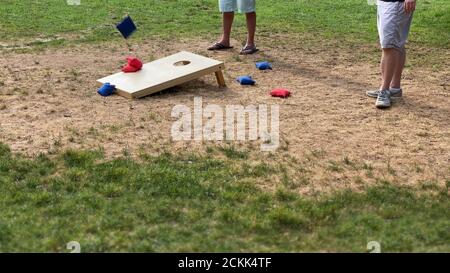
{"type": "Point", "coordinates": [162, 74]}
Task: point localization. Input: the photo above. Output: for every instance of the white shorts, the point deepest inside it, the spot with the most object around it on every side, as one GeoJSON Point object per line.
{"type": "Point", "coordinates": [393, 24]}
{"type": "Point", "coordinates": [243, 6]}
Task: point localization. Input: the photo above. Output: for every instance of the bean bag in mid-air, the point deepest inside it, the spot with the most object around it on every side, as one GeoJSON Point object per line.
{"type": "Point", "coordinates": [126, 27]}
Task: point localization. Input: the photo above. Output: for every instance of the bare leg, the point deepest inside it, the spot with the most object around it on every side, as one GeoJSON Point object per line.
{"type": "Point", "coordinates": [251, 27]}
{"type": "Point", "coordinates": [401, 59]}
{"type": "Point", "coordinates": [382, 65]}
{"type": "Point", "coordinates": [228, 18]}
{"type": "Point", "coordinates": [388, 65]}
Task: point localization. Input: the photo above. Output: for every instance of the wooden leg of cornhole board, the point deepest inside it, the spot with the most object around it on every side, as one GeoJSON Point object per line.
{"type": "Point", "coordinates": [220, 79]}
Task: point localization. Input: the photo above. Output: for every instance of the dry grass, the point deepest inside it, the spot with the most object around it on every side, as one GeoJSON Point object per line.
{"type": "Point", "coordinates": [332, 136]}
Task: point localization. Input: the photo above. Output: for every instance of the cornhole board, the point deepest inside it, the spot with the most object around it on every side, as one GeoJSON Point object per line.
{"type": "Point", "coordinates": [165, 73]}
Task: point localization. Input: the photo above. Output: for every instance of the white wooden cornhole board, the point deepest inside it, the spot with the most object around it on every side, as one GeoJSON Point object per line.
{"type": "Point", "coordinates": [165, 73]}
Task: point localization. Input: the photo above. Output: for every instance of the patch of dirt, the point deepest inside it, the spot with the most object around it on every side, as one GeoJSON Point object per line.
{"type": "Point", "coordinates": [331, 134]}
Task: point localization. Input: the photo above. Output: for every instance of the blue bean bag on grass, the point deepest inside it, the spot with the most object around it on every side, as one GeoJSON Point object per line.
{"type": "Point", "coordinates": [264, 65]}
{"type": "Point", "coordinates": [246, 80]}
{"type": "Point", "coordinates": [106, 90]}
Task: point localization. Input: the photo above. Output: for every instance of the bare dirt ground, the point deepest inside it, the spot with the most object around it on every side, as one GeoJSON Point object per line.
{"type": "Point", "coordinates": [331, 134]}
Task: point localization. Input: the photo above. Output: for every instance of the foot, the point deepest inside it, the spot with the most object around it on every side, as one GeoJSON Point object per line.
{"type": "Point", "coordinates": [395, 92]}
{"type": "Point", "coordinates": [220, 46]}
{"type": "Point", "coordinates": [383, 99]}
{"type": "Point", "coordinates": [249, 49]}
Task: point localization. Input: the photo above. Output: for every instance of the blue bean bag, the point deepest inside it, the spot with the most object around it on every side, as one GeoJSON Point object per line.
{"type": "Point", "coordinates": [106, 90]}
{"type": "Point", "coordinates": [246, 80]}
{"type": "Point", "coordinates": [264, 65]}
{"type": "Point", "coordinates": [126, 27]}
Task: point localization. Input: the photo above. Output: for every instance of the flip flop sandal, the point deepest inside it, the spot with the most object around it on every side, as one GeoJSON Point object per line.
{"type": "Point", "coordinates": [219, 46]}
{"type": "Point", "coordinates": [248, 50]}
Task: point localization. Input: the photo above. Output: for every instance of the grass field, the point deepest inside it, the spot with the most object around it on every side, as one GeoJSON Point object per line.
{"type": "Point", "coordinates": [186, 203]}
{"type": "Point", "coordinates": [65, 174]}
{"type": "Point", "coordinates": [352, 21]}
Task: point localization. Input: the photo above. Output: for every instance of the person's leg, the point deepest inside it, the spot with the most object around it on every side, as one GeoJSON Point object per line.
{"type": "Point", "coordinates": [227, 8]}
{"type": "Point", "coordinates": [404, 25]}
{"type": "Point", "coordinates": [249, 8]}
{"type": "Point", "coordinates": [388, 66]}
{"type": "Point", "coordinates": [228, 18]}
{"type": "Point", "coordinates": [400, 64]}
{"type": "Point", "coordinates": [251, 28]}
{"type": "Point", "coordinates": [386, 24]}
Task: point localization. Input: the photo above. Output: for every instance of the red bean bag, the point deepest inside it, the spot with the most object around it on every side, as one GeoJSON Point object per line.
{"type": "Point", "coordinates": [133, 65]}
{"type": "Point", "coordinates": [281, 93]}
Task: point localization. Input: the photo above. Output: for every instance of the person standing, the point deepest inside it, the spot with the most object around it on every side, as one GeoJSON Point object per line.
{"type": "Point", "coordinates": [228, 8]}
{"type": "Point", "coordinates": [394, 22]}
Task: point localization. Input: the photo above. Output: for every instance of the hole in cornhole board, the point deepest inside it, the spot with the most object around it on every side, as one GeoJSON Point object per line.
{"type": "Point", "coordinates": [181, 63]}
{"type": "Point", "coordinates": [165, 73]}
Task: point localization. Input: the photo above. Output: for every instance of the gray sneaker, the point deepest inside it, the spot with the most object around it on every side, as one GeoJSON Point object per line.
{"type": "Point", "coordinates": [395, 92]}
{"type": "Point", "coordinates": [384, 99]}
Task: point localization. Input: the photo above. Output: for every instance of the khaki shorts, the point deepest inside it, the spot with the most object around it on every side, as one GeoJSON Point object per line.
{"type": "Point", "coordinates": [243, 6]}
{"type": "Point", "coordinates": [393, 24]}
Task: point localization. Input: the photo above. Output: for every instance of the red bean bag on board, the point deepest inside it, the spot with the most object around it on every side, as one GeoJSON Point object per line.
{"type": "Point", "coordinates": [133, 65]}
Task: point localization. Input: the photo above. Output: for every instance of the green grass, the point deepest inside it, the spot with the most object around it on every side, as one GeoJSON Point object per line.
{"type": "Point", "coordinates": [190, 203]}
{"type": "Point", "coordinates": [350, 21]}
